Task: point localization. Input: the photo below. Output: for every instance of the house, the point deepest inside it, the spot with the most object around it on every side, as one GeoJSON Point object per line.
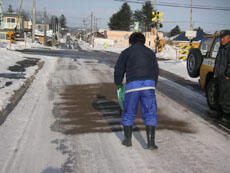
{"type": "Point", "coordinates": [9, 23]}
{"type": "Point", "coordinates": [39, 35]}
{"type": "Point", "coordinates": [41, 27]}
{"type": "Point", "coordinates": [27, 26]}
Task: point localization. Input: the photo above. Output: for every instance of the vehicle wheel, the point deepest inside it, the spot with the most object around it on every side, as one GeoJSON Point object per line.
{"type": "Point", "coordinates": [212, 94]}
{"type": "Point", "coordinates": [194, 62]}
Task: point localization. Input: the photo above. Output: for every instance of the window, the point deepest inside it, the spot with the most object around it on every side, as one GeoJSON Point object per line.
{"type": "Point", "coordinates": [204, 45]}
{"type": "Point", "coordinates": [215, 48]}
{"type": "Point", "coordinates": [11, 20]}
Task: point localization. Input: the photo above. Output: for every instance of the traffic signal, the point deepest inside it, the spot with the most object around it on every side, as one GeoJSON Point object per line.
{"type": "Point", "coordinates": [156, 19]}
{"type": "Point", "coordinates": [157, 16]}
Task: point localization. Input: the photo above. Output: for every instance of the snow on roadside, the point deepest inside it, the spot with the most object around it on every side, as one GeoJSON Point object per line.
{"type": "Point", "coordinates": [9, 86]}
{"type": "Point", "coordinates": [173, 64]}
{"type": "Point", "coordinates": [177, 67]}
{"type": "Point", "coordinates": [169, 53]}
{"type": "Point", "coordinates": [9, 58]}
{"type": "Point", "coordinates": [87, 46]}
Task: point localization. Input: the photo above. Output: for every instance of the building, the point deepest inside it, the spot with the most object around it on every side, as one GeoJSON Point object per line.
{"type": "Point", "coordinates": [27, 26]}
{"type": "Point", "coordinates": [9, 23]}
{"type": "Point", "coordinates": [41, 27]}
{"type": "Point", "coordinates": [121, 38]}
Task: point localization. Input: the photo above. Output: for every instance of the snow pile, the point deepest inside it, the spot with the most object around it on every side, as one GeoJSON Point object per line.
{"type": "Point", "coordinates": [49, 33]}
{"type": "Point", "coordinates": [87, 46]}
{"type": "Point", "coordinates": [27, 44]}
{"type": "Point", "coordinates": [104, 42]}
{"type": "Point", "coordinates": [169, 52]}
{"type": "Point", "coordinates": [9, 85]}
{"type": "Point", "coordinates": [177, 67]}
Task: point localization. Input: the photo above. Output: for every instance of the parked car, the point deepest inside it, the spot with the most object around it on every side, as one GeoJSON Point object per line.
{"type": "Point", "coordinates": [201, 62]}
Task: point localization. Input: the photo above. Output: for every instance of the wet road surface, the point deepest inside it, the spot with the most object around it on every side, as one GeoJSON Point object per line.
{"type": "Point", "coordinates": [171, 85]}
{"type": "Point", "coordinates": [94, 108]}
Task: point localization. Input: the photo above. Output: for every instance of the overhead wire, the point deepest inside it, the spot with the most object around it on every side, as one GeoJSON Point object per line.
{"type": "Point", "coordinates": [180, 5]}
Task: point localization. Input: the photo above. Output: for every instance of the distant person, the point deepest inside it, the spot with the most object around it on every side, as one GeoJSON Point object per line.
{"type": "Point", "coordinates": [140, 65]}
{"type": "Point", "coordinates": [222, 73]}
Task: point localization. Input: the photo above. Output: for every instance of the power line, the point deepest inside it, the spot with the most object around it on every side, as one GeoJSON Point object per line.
{"type": "Point", "coordinates": [179, 5]}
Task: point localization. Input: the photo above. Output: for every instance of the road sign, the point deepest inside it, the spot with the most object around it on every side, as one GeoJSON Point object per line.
{"type": "Point", "coordinates": [190, 34]}
{"type": "Point", "coordinates": [157, 16]}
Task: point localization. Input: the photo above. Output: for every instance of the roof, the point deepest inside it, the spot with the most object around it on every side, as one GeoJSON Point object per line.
{"type": "Point", "coordinates": [181, 37]}
{"type": "Point", "coordinates": [11, 15]}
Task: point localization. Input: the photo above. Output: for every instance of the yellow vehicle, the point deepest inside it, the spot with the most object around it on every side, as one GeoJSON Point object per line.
{"type": "Point", "coordinates": [11, 36]}
{"type": "Point", "coordinates": [201, 62]}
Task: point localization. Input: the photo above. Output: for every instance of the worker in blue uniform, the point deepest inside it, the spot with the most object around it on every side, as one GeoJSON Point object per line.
{"type": "Point", "coordinates": [140, 66]}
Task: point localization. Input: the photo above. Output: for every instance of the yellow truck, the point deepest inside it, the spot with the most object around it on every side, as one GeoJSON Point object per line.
{"type": "Point", "coordinates": [201, 62]}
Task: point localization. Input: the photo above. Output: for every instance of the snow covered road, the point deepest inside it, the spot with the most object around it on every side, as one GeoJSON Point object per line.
{"type": "Point", "coordinates": [62, 125]}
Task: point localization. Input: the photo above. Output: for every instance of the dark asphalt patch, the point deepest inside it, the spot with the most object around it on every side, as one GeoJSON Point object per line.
{"type": "Point", "coordinates": [21, 65]}
{"type": "Point", "coordinates": [13, 75]}
{"type": "Point", "coordinates": [94, 108]}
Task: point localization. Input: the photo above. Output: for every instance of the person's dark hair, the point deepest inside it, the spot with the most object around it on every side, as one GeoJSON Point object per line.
{"type": "Point", "coordinates": [136, 37]}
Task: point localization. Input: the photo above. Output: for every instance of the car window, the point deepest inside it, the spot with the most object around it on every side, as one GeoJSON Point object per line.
{"type": "Point", "coordinates": [215, 48]}
{"type": "Point", "coordinates": [204, 45]}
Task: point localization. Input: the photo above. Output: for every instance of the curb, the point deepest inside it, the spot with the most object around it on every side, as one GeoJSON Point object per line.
{"type": "Point", "coordinates": [18, 94]}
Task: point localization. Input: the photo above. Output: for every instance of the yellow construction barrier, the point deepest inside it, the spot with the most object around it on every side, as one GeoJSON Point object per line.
{"type": "Point", "coordinates": [183, 52]}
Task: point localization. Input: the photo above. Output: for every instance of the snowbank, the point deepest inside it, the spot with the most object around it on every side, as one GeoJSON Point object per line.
{"type": "Point", "coordinates": [169, 52]}
{"type": "Point", "coordinates": [87, 46]}
{"type": "Point", "coordinates": [8, 85]}
{"type": "Point", "coordinates": [104, 42]}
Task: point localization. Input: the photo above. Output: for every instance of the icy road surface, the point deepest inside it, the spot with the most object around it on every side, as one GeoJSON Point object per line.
{"type": "Point", "coordinates": [68, 121]}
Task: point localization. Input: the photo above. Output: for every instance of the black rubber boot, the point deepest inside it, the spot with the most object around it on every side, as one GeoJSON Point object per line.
{"type": "Point", "coordinates": [226, 118]}
{"type": "Point", "coordinates": [150, 132]}
{"type": "Point", "coordinates": [128, 135]}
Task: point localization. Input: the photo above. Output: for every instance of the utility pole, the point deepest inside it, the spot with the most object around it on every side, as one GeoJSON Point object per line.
{"type": "Point", "coordinates": [34, 21]}
{"type": "Point", "coordinates": [91, 28]}
{"type": "Point", "coordinates": [45, 38]}
{"type": "Point", "coordinates": [190, 40]}
{"type": "Point", "coordinates": [96, 20]}
{"type": "Point", "coordinates": [1, 15]}
{"type": "Point", "coordinates": [91, 21]}
{"type": "Point", "coordinates": [84, 27]}
{"type": "Point", "coordinates": [191, 17]}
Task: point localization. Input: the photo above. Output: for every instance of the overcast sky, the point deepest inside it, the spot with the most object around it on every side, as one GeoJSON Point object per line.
{"type": "Point", "coordinates": [76, 10]}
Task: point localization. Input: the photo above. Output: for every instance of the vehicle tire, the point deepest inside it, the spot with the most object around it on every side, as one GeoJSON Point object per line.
{"type": "Point", "coordinates": [212, 94]}
{"type": "Point", "coordinates": [194, 62]}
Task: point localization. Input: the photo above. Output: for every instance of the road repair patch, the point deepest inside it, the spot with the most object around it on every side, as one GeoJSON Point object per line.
{"type": "Point", "coordinates": [94, 108]}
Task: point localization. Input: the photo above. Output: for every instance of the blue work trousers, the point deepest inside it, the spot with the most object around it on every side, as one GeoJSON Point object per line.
{"type": "Point", "coordinates": [147, 99]}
